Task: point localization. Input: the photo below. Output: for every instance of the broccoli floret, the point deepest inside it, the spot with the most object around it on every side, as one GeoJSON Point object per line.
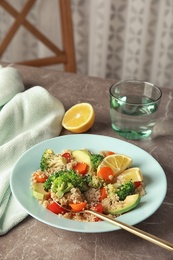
{"type": "Point", "coordinates": [63, 181]}
{"type": "Point", "coordinates": [96, 159]}
{"type": "Point", "coordinates": [125, 189]}
{"type": "Point", "coordinates": [61, 185]}
{"type": "Point", "coordinates": [50, 159]}
{"type": "Point", "coordinates": [77, 180]}
{"type": "Point", "coordinates": [47, 155]}
{"type": "Point", "coordinates": [94, 181]}
{"type": "Point", "coordinates": [48, 182]}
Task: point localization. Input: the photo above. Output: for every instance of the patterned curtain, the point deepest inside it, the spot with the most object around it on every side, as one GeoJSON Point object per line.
{"type": "Point", "coordinates": [116, 39]}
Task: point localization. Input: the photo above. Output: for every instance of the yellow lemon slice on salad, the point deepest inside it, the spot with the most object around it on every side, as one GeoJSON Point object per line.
{"type": "Point", "coordinates": [118, 163]}
{"type": "Point", "coordinates": [79, 118]}
{"type": "Point", "coordinates": [134, 174]}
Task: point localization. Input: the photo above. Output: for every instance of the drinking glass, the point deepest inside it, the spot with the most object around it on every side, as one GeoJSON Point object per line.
{"type": "Point", "coordinates": [133, 108]}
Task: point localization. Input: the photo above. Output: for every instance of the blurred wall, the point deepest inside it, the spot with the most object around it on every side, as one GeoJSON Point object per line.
{"type": "Point", "coordinates": [117, 39]}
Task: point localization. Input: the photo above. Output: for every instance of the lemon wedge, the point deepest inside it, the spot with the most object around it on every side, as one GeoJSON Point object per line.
{"type": "Point", "coordinates": [133, 174]}
{"type": "Point", "coordinates": [118, 163]}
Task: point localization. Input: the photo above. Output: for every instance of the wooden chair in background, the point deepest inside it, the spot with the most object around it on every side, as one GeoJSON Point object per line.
{"type": "Point", "coordinates": [66, 56]}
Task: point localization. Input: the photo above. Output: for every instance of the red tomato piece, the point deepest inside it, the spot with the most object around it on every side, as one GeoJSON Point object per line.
{"type": "Point", "coordinates": [55, 208]}
{"type": "Point", "coordinates": [67, 156]}
{"type": "Point", "coordinates": [96, 219]}
{"type": "Point", "coordinates": [98, 208]}
{"type": "Point", "coordinates": [109, 153]}
{"type": "Point", "coordinates": [137, 184]}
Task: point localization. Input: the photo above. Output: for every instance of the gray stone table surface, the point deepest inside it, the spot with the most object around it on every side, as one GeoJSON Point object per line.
{"type": "Point", "coordinates": [32, 239]}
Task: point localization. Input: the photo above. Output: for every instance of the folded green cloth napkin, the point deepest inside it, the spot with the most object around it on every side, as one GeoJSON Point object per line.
{"type": "Point", "coordinates": [10, 84]}
{"type": "Point", "coordinates": [28, 118]}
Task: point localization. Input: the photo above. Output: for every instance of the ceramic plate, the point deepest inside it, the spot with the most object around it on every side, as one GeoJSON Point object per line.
{"type": "Point", "coordinates": [154, 178]}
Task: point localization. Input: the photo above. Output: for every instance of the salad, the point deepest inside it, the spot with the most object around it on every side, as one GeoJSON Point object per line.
{"type": "Point", "coordinates": [80, 179]}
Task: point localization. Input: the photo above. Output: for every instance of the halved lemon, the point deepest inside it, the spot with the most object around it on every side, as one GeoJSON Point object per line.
{"type": "Point", "coordinates": [118, 163]}
{"type": "Point", "coordinates": [133, 174]}
{"type": "Point", "coordinates": [79, 118]}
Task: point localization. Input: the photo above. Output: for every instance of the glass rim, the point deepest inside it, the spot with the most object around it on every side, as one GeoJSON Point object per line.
{"type": "Point", "coordinates": [140, 82]}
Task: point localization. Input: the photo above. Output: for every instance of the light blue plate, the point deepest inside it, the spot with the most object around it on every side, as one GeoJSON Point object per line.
{"type": "Point", "coordinates": [154, 178]}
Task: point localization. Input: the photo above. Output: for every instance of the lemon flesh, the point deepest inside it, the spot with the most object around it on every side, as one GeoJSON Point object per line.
{"type": "Point", "coordinates": [79, 118]}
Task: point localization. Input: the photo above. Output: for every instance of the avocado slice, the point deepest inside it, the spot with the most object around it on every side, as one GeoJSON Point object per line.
{"type": "Point", "coordinates": [130, 202]}
{"type": "Point", "coordinates": [39, 193]}
{"type": "Point", "coordinates": [83, 156]}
